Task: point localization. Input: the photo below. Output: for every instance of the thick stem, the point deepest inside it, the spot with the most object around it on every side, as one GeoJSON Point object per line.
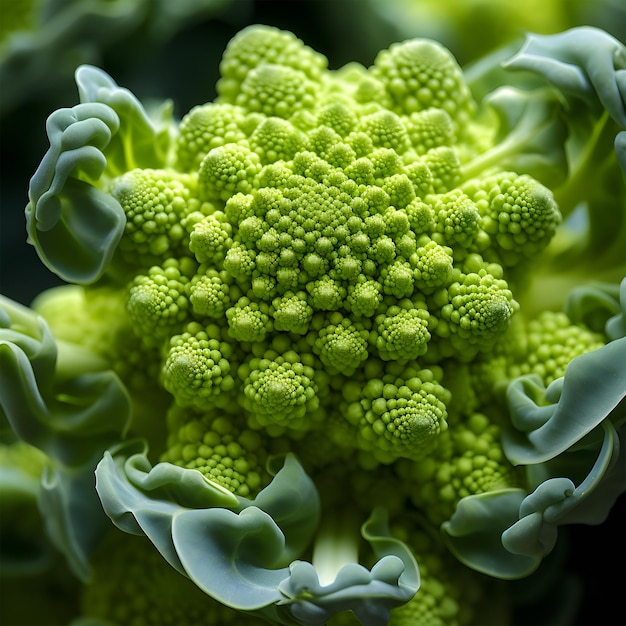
{"type": "Point", "coordinates": [336, 545]}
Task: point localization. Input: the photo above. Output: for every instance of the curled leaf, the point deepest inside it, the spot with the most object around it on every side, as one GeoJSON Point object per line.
{"type": "Point", "coordinates": [139, 141]}
{"type": "Point", "coordinates": [240, 551]}
{"type": "Point", "coordinates": [601, 307]}
{"type": "Point", "coordinates": [196, 524]}
{"type": "Point", "coordinates": [140, 499]}
{"type": "Point", "coordinates": [559, 501]}
{"type": "Point", "coordinates": [74, 226]}
{"type": "Point", "coordinates": [583, 62]}
{"type": "Point", "coordinates": [392, 581]}
{"type": "Point", "coordinates": [71, 419]}
{"type": "Point", "coordinates": [548, 421]}
{"type": "Point", "coordinates": [473, 534]}
{"type": "Point", "coordinates": [72, 516]}
{"type": "Point", "coordinates": [245, 546]}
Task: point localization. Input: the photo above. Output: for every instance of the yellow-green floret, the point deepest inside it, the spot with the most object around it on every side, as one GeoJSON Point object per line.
{"type": "Point", "coordinates": [155, 203]}
{"type": "Point", "coordinates": [219, 444]}
{"type": "Point", "coordinates": [396, 416]}
{"type": "Point", "coordinates": [468, 460]}
{"type": "Point", "coordinates": [196, 369]}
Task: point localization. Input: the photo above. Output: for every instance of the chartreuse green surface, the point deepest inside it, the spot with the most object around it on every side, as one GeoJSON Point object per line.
{"type": "Point", "coordinates": [305, 346]}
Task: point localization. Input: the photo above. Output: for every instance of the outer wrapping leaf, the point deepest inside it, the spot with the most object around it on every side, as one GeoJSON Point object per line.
{"type": "Point", "coordinates": [559, 501]}
{"type": "Point", "coordinates": [73, 223]}
{"type": "Point", "coordinates": [73, 518]}
{"type": "Point", "coordinates": [73, 425]}
{"type": "Point", "coordinates": [141, 499]}
{"type": "Point", "coordinates": [19, 326]}
{"type": "Point", "coordinates": [292, 501]}
{"type": "Point", "coordinates": [237, 550]}
{"type": "Point", "coordinates": [71, 418]}
{"type": "Point", "coordinates": [593, 389]}
{"type": "Point", "coordinates": [473, 534]}
{"type": "Point", "coordinates": [584, 63]}
{"type": "Point", "coordinates": [369, 594]}
{"type": "Point", "coordinates": [139, 142]}
{"type": "Point", "coordinates": [231, 556]}
{"type": "Point", "coordinates": [598, 307]}
{"type": "Point", "coordinates": [74, 226]}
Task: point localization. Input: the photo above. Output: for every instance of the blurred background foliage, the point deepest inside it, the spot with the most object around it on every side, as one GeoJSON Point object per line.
{"type": "Point", "coordinates": [162, 49]}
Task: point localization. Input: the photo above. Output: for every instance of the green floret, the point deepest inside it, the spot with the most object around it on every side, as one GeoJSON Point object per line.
{"type": "Point", "coordinates": [323, 140]}
{"type": "Point", "coordinates": [396, 417]}
{"type": "Point", "coordinates": [396, 224]}
{"type": "Point", "coordinates": [422, 178]}
{"type": "Point", "coordinates": [275, 139]}
{"type": "Point", "coordinates": [386, 130]}
{"type": "Point", "coordinates": [340, 343]}
{"type": "Point", "coordinates": [276, 90]}
{"type": "Point", "coordinates": [258, 45]}
{"type": "Point", "coordinates": [469, 460]}
{"type": "Point", "coordinates": [400, 189]}
{"type": "Point", "coordinates": [155, 203]}
{"type": "Point", "coordinates": [227, 170]}
{"type": "Point", "coordinates": [457, 221]}
{"type": "Point", "coordinates": [422, 74]}
{"type": "Point", "coordinates": [386, 162]}
{"type": "Point", "coordinates": [402, 331]}
{"type": "Point", "coordinates": [360, 143]}
{"type": "Point", "coordinates": [476, 309]}
{"type": "Point", "coordinates": [196, 370]}
{"type": "Point", "coordinates": [205, 127]}
{"type": "Point", "coordinates": [420, 215]}
{"type": "Point", "coordinates": [398, 279]}
{"type": "Point", "coordinates": [157, 302]}
{"type": "Point", "coordinates": [445, 168]}
{"type": "Point", "coordinates": [339, 116]}
{"type": "Point", "coordinates": [518, 213]}
{"type": "Point", "coordinates": [326, 294]}
{"type": "Point", "coordinates": [364, 297]}
{"type": "Point", "coordinates": [279, 392]}
{"type": "Point", "coordinates": [211, 292]}
{"type": "Point", "coordinates": [239, 262]}
{"type": "Point", "coordinates": [430, 128]}
{"type": "Point", "coordinates": [209, 237]}
{"type": "Point", "coordinates": [218, 444]}
{"type": "Point", "coordinates": [292, 313]}
{"type": "Point", "coordinates": [249, 321]}
{"type": "Point", "coordinates": [432, 265]}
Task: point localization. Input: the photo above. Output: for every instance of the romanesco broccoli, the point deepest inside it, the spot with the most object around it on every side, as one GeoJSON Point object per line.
{"type": "Point", "coordinates": [306, 303]}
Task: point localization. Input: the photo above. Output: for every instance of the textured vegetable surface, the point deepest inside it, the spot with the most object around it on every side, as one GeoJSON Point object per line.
{"type": "Point", "coordinates": [319, 344]}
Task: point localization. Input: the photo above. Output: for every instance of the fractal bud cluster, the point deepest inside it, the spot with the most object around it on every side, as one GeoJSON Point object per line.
{"type": "Point", "coordinates": [302, 347]}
